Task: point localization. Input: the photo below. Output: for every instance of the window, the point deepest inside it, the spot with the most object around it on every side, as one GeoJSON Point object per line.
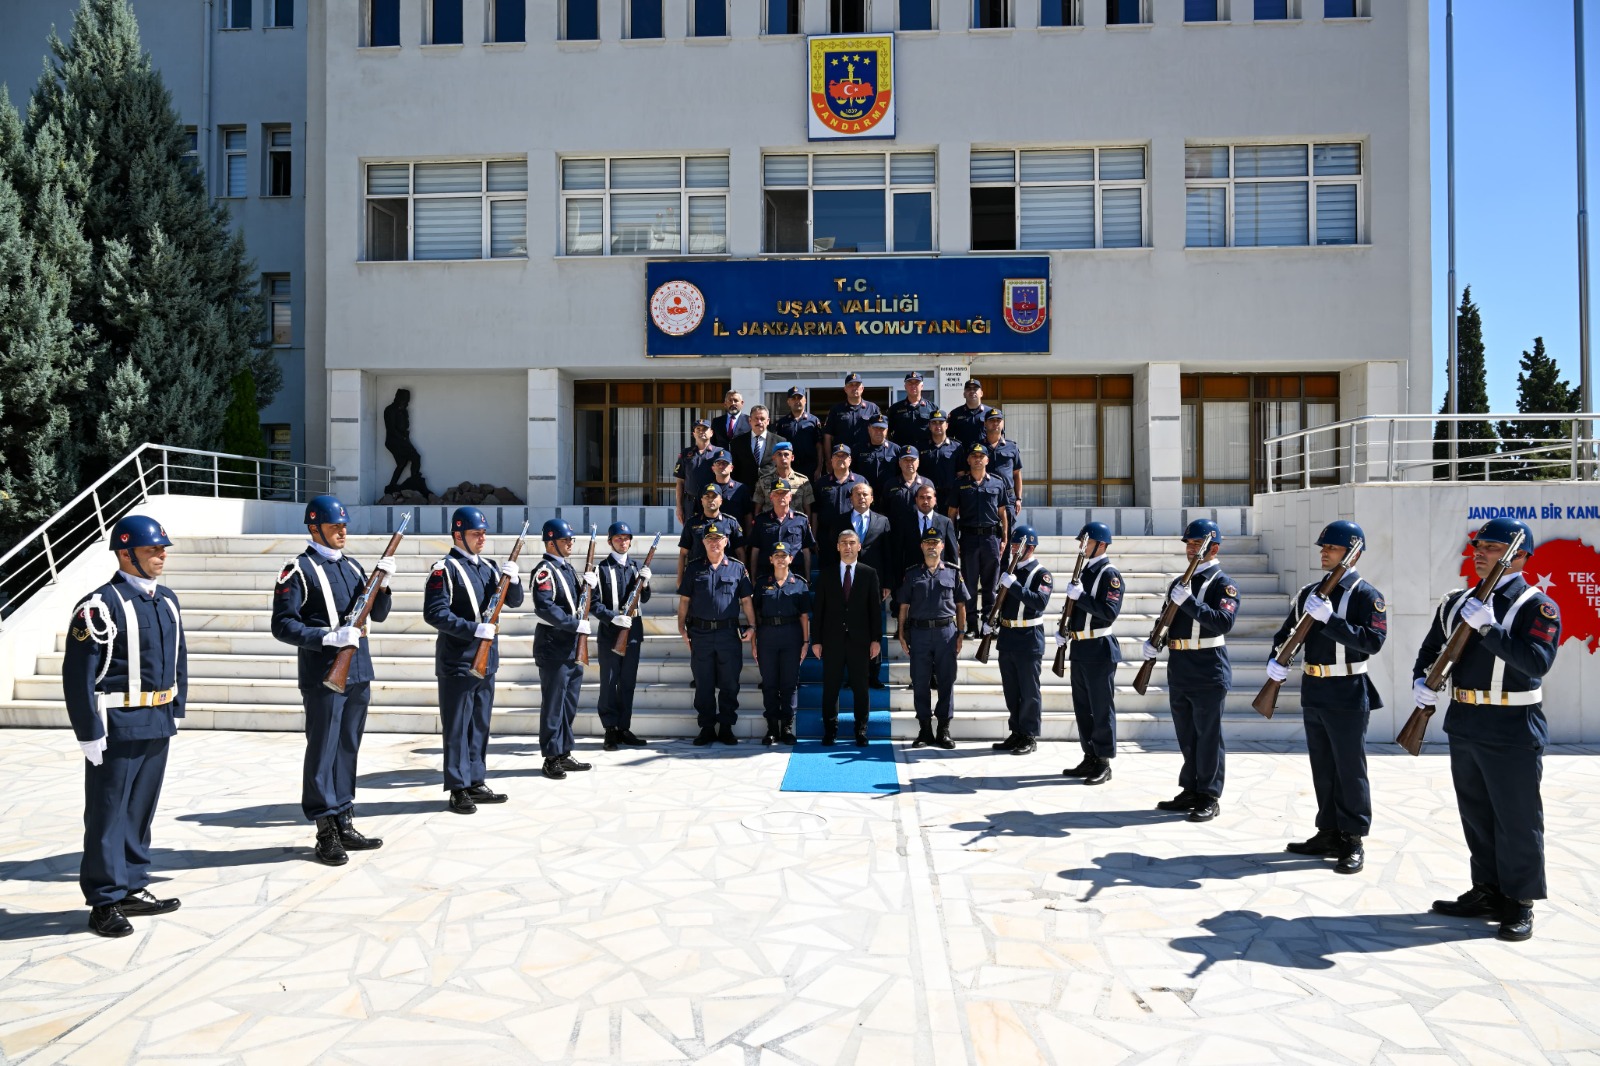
{"type": "Point", "coordinates": [444, 22]}
{"type": "Point", "coordinates": [1342, 9]}
{"type": "Point", "coordinates": [644, 19]}
{"type": "Point", "coordinates": [279, 440]}
{"type": "Point", "coordinates": [708, 18]}
{"type": "Point", "coordinates": [236, 14]}
{"type": "Point", "coordinates": [1058, 198]}
{"type": "Point", "coordinates": [1226, 416]}
{"type": "Point", "coordinates": [280, 14]}
{"type": "Point", "coordinates": [191, 153]}
{"type": "Point", "coordinates": [580, 20]}
{"type": "Point", "coordinates": [783, 16]}
{"type": "Point", "coordinates": [856, 202]}
{"type": "Point", "coordinates": [1060, 13]}
{"type": "Point", "coordinates": [916, 15]}
{"type": "Point", "coordinates": [280, 157]}
{"type": "Point", "coordinates": [637, 206]}
{"type": "Point", "coordinates": [465, 210]}
{"type": "Point", "coordinates": [234, 159]}
{"type": "Point", "coordinates": [629, 434]}
{"type": "Point", "coordinates": [508, 23]}
{"type": "Point", "coordinates": [1076, 437]}
{"type": "Point", "coordinates": [1201, 11]}
{"type": "Point", "coordinates": [1276, 10]}
{"type": "Point", "coordinates": [1125, 13]}
{"type": "Point", "coordinates": [1272, 195]}
{"type": "Point", "coordinates": [847, 16]}
{"type": "Point", "coordinates": [280, 318]}
{"type": "Point", "coordinates": [991, 14]}
{"type": "Point", "coordinates": [383, 23]}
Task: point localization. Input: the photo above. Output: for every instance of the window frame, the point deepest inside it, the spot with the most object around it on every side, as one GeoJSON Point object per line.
{"type": "Point", "coordinates": [889, 187]}
{"type": "Point", "coordinates": [1098, 183]}
{"type": "Point", "coordinates": [230, 10]}
{"type": "Point", "coordinates": [1259, 390]}
{"type": "Point", "coordinates": [429, 25]}
{"type": "Point", "coordinates": [1009, 22]}
{"type": "Point", "coordinates": [271, 151]}
{"type": "Point", "coordinates": [603, 397]}
{"type": "Point", "coordinates": [562, 7]}
{"type": "Point", "coordinates": [1145, 18]}
{"type": "Point", "coordinates": [369, 14]}
{"type": "Point", "coordinates": [694, 7]}
{"type": "Point", "coordinates": [799, 21]}
{"type": "Point", "coordinates": [412, 196]}
{"type": "Point", "coordinates": [1219, 15]}
{"type": "Point", "coordinates": [933, 18]}
{"type": "Point", "coordinates": [1057, 390]}
{"type": "Point", "coordinates": [192, 153]}
{"type": "Point", "coordinates": [837, 7]}
{"type": "Point", "coordinates": [606, 192]}
{"type": "Point", "coordinates": [274, 299]}
{"type": "Point", "coordinates": [627, 20]}
{"type": "Point", "coordinates": [1291, 10]}
{"type": "Point", "coordinates": [243, 153]}
{"type": "Point", "coordinates": [491, 31]}
{"type": "Point", "coordinates": [275, 8]}
{"type": "Point", "coordinates": [1310, 178]}
{"type": "Point", "coordinates": [1072, 12]}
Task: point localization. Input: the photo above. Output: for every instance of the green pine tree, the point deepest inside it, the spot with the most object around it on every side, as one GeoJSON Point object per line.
{"type": "Point", "coordinates": [1541, 390]}
{"type": "Point", "coordinates": [1475, 437]}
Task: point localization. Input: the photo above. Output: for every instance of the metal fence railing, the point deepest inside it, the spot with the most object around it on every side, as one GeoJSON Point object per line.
{"type": "Point", "coordinates": [1464, 448]}
{"type": "Point", "coordinates": [36, 560]}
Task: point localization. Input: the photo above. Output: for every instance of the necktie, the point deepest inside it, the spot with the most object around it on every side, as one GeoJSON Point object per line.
{"type": "Point", "coordinates": [924, 524]}
{"type": "Point", "coordinates": [861, 532]}
{"type": "Point", "coordinates": [847, 570]}
{"type": "Point", "coordinates": [755, 444]}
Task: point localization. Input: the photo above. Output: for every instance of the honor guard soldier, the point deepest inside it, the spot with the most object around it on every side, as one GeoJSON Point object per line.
{"type": "Point", "coordinates": [982, 514]}
{"type": "Point", "coordinates": [715, 616]}
{"type": "Point", "coordinates": [1199, 674]}
{"type": "Point", "coordinates": [455, 602]}
{"type": "Point", "coordinates": [691, 542]}
{"type": "Point", "coordinates": [933, 603]}
{"type": "Point", "coordinates": [125, 682]}
{"type": "Point", "coordinates": [1497, 730]}
{"type": "Point", "coordinates": [879, 461]}
{"type": "Point", "coordinates": [781, 525]}
{"type": "Point", "coordinates": [832, 492]}
{"type": "Point", "coordinates": [941, 461]}
{"type": "Point", "coordinates": [1005, 457]}
{"type": "Point", "coordinates": [1096, 602]}
{"type": "Point", "coordinates": [908, 417]}
{"type": "Point", "coordinates": [1337, 698]}
{"type": "Point", "coordinates": [783, 631]}
{"type": "Point", "coordinates": [310, 602]}
{"type": "Point", "coordinates": [1021, 642]}
{"type": "Point", "coordinates": [618, 576]}
{"type": "Point", "coordinates": [557, 588]}
{"type": "Point", "coordinates": [802, 429]}
{"type": "Point", "coordinates": [967, 421]}
{"type": "Point", "coordinates": [847, 422]}
{"type": "Point", "coordinates": [694, 468]}
{"type": "Point", "coordinates": [783, 468]}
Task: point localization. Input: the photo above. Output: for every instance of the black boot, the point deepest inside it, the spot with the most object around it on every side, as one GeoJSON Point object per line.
{"type": "Point", "coordinates": [485, 794]}
{"type": "Point", "coordinates": [1101, 773]}
{"type": "Point", "coordinates": [1205, 808]}
{"type": "Point", "coordinates": [107, 920]}
{"type": "Point", "coordinates": [830, 730]}
{"type": "Point", "coordinates": [145, 902]}
{"type": "Point", "coordinates": [461, 802]}
{"type": "Point", "coordinates": [725, 734]}
{"type": "Point", "coordinates": [1324, 842]}
{"type": "Point", "coordinates": [625, 736]}
{"type": "Point", "coordinates": [770, 737]}
{"type": "Point", "coordinates": [924, 735]}
{"type": "Point", "coordinates": [942, 738]}
{"type": "Point", "coordinates": [786, 734]}
{"type": "Point", "coordinates": [1479, 901]}
{"type": "Point", "coordinates": [706, 735]}
{"type": "Point", "coordinates": [1083, 769]}
{"type": "Point", "coordinates": [552, 768]}
{"type": "Point", "coordinates": [573, 765]}
{"type": "Point", "coordinates": [610, 742]}
{"type": "Point", "coordinates": [1516, 921]}
{"type": "Point", "coordinates": [861, 733]}
{"type": "Point", "coordinates": [1352, 856]}
{"type": "Point", "coordinates": [1026, 745]}
{"type": "Point", "coordinates": [1008, 744]}
{"type": "Point", "coordinates": [1183, 801]}
{"type": "Point", "coordinates": [352, 838]}
{"type": "Point", "coordinates": [329, 851]}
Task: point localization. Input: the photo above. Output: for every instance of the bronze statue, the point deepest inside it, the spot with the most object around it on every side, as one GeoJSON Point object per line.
{"type": "Point", "coordinates": [397, 439]}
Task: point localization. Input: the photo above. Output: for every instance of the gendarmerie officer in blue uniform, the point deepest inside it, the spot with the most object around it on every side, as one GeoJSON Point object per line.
{"type": "Point", "coordinates": [1199, 674]}
{"type": "Point", "coordinates": [1337, 697]}
{"type": "Point", "coordinates": [125, 681]}
{"type": "Point", "coordinates": [847, 421]}
{"type": "Point", "coordinates": [803, 430]}
{"type": "Point", "coordinates": [879, 461]}
{"type": "Point", "coordinates": [908, 417]}
{"type": "Point", "coordinates": [1497, 730]}
{"type": "Point", "coordinates": [831, 491]}
{"type": "Point", "coordinates": [933, 603]}
{"type": "Point", "coordinates": [967, 420]}
{"type": "Point", "coordinates": [942, 460]}
{"type": "Point", "coordinates": [557, 590]}
{"type": "Point", "coordinates": [783, 631]}
{"type": "Point", "coordinates": [780, 525]}
{"type": "Point", "coordinates": [1020, 643]}
{"type": "Point", "coordinates": [691, 542]}
{"type": "Point", "coordinates": [1005, 456]}
{"type": "Point", "coordinates": [715, 616]}
{"type": "Point", "coordinates": [618, 673]}
{"type": "Point", "coordinates": [310, 603]}
{"type": "Point", "coordinates": [455, 601]}
{"type": "Point", "coordinates": [981, 511]}
{"type": "Point", "coordinates": [1093, 657]}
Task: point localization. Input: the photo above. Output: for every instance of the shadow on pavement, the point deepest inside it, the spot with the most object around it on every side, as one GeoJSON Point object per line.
{"type": "Point", "coordinates": [1308, 943]}
{"type": "Point", "coordinates": [45, 923]}
{"type": "Point", "coordinates": [958, 785]}
{"type": "Point", "coordinates": [278, 815]}
{"type": "Point", "coordinates": [1120, 868]}
{"type": "Point", "coordinates": [1056, 824]}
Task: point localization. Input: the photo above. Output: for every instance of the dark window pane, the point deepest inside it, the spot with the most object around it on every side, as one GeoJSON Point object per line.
{"type": "Point", "coordinates": [386, 230]}
{"type": "Point", "coordinates": [385, 28]}
{"type": "Point", "coordinates": [446, 22]}
{"type": "Point", "coordinates": [916, 14]}
{"type": "Point", "coordinates": [1199, 10]}
{"type": "Point", "coordinates": [1122, 13]}
{"type": "Point", "coordinates": [848, 220]}
{"type": "Point", "coordinates": [1272, 9]}
{"type": "Point", "coordinates": [283, 12]}
{"type": "Point", "coordinates": [990, 14]}
{"type": "Point", "coordinates": [783, 16]}
{"type": "Point", "coordinates": [509, 20]}
{"type": "Point", "coordinates": [588, 458]}
{"type": "Point", "coordinates": [1054, 12]}
{"type": "Point", "coordinates": [583, 20]}
{"type": "Point", "coordinates": [644, 19]}
{"type": "Point", "coordinates": [847, 16]}
{"type": "Point", "coordinates": [1339, 9]}
{"type": "Point", "coordinates": [240, 18]}
{"type": "Point", "coordinates": [786, 221]}
{"type": "Point", "coordinates": [913, 222]}
{"type": "Point", "coordinates": [994, 219]}
{"type": "Point", "coordinates": [710, 18]}
{"type": "Point", "coordinates": [278, 182]}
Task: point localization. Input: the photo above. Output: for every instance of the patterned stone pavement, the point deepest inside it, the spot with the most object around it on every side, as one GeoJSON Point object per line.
{"type": "Point", "coordinates": [673, 906]}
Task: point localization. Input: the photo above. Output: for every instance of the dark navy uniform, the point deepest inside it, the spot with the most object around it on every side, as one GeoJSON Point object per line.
{"type": "Point", "coordinates": [848, 425]}
{"type": "Point", "coordinates": [713, 621]}
{"type": "Point", "coordinates": [1498, 732]}
{"type": "Point", "coordinates": [1021, 646]}
{"type": "Point", "coordinates": [942, 464]}
{"type": "Point", "coordinates": [694, 468]}
{"type": "Point", "coordinates": [966, 424]}
{"type": "Point", "coordinates": [125, 679]}
{"type": "Point", "coordinates": [455, 599]}
{"type": "Point", "coordinates": [879, 464]}
{"type": "Point", "coordinates": [1199, 675]}
{"type": "Point", "coordinates": [312, 597]}
{"type": "Point", "coordinates": [693, 537]}
{"type": "Point", "coordinates": [805, 433]}
{"type": "Point", "coordinates": [833, 503]}
{"type": "Point", "coordinates": [1005, 459]}
{"type": "Point", "coordinates": [794, 530]}
{"type": "Point", "coordinates": [1337, 697]}
{"type": "Point", "coordinates": [978, 506]}
{"type": "Point", "coordinates": [738, 501]}
{"type": "Point", "coordinates": [779, 643]}
{"type": "Point", "coordinates": [557, 592]}
{"type": "Point", "coordinates": [908, 422]}
{"type": "Point", "coordinates": [1094, 655]}
{"type": "Point", "coordinates": [931, 597]}
{"type": "Point", "coordinates": [618, 673]}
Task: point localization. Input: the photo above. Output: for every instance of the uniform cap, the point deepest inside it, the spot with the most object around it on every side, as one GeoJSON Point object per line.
{"type": "Point", "coordinates": [913, 376]}
{"type": "Point", "coordinates": [879, 421]}
{"type": "Point", "coordinates": [720, 455]}
{"type": "Point", "coordinates": [556, 529]}
{"type": "Point", "coordinates": [1501, 530]}
{"type": "Point", "coordinates": [138, 531]}
{"type": "Point", "coordinates": [978, 449]}
{"type": "Point", "coordinates": [937, 416]}
{"type": "Point", "coordinates": [1096, 531]}
{"type": "Point", "coordinates": [620, 529]}
{"type": "Point", "coordinates": [1198, 529]}
{"type": "Point", "coordinates": [796, 390]}
{"type": "Point", "coordinates": [911, 452]}
{"type": "Point", "coordinates": [932, 534]}
{"type": "Point", "coordinates": [711, 490]}
{"type": "Point", "coordinates": [467, 518]}
{"type": "Point", "coordinates": [1024, 534]}
{"type": "Point", "coordinates": [992, 415]}
{"type": "Point", "coordinates": [783, 446]}
{"type": "Point", "coordinates": [841, 449]}
{"type": "Point", "coordinates": [702, 423]}
{"type": "Point", "coordinates": [325, 510]}
{"type": "Point", "coordinates": [713, 531]}
{"type": "Point", "coordinates": [780, 548]}
{"type": "Point", "coordinates": [852, 378]}
{"type": "Point", "coordinates": [1341, 534]}
{"type": "Point", "coordinates": [971, 382]}
{"type": "Point", "coordinates": [782, 485]}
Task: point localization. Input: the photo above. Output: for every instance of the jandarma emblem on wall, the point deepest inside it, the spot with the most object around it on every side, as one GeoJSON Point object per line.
{"type": "Point", "coordinates": [1025, 303]}
{"type": "Point", "coordinates": [852, 87]}
{"type": "Point", "coordinates": [677, 308]}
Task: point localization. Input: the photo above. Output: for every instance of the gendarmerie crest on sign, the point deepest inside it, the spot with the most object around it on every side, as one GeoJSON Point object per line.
{"type": "Point", "coordinates": [677, 308]}
{"type": "Point", "coordinates": [1025, 304]}
{"type": "Point", "coordinates": [851, 87]}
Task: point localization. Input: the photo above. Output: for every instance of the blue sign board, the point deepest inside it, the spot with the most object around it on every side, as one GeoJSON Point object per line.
{"type": "Point", "coordinates": [955, 304]}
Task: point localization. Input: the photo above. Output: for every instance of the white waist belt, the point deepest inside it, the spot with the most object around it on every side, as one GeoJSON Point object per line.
{"type": "Point", "coordinates": [1021, 623]}
{"type": "Point", "coordinates": [1089, 634]}
{"type": "Point", "coordinates": [1503, 699]}
{"type": "Point", "coordinates": [1196, 644]}
{"type": "Point", "coordinates": [1334, 670]}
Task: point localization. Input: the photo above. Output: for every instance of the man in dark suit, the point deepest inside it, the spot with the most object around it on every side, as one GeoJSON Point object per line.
{"type": "Point", "coordinates": [908, 532]}
{"type": "Point", "coordinates": [752, 451]}
{"type": "Point", "coordinates": [847, 615]}
{"type": "Point", "coordinates": [876, 534]}
{"type": "Point", "coordinates": [731, 422]}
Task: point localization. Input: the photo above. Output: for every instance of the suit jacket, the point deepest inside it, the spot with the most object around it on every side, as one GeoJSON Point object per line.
{"type": "Point", "coordinates": [722, 433]}
{"type": "Point", "coordinates": [908, 542]}
{"type": "Point", "coordinates": [877, 546]}
{"type": "Point", "coordinates": [744, 459]}
{"type": "Point", "coordinates": [841, 625]}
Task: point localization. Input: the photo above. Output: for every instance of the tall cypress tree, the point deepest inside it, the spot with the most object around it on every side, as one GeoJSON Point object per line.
{"type": "Point", "coordinates": [1474, 437]}
{"type": "Point", "coordinates": [1541, 390]}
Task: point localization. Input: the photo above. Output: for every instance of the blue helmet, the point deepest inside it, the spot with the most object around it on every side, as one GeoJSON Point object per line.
{"type": "Point", "coordinates": [467, 518]}
{"type": "Point", "coordinates": [1341, 534]}
{"type": "Point", "coordinates": [1096, 531]}
{"type": "Point", "coordinates": [138, 531]}
{"type": "Point", "coordinates": [1501, 530]}
{"type": "Point", "coordinates": [1198, 529]}
{"type": "Point", "coordinates": [556, 529]}
{"type": "Point", "coordinates": [325, 510]}
{"type": "Point", "coordinates": [1024, 534]}
{"type": "Point", "coordinates": [619, 529]}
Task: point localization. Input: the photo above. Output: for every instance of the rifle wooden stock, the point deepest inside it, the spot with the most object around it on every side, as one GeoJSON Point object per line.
{"type": "Point", "coordinates": [625, 629]}
{"type": "Point", "coordinates": [1416, 726]}
{"type": "Point", "coordinates": [586, 602]}
{"type": "Point", "coordinates": [1266, 701]}
{"type": "Point", "coordinates": [1060, 666]}
{"type": "Point", "coordinates": [339, 672]}
{"type": "Point", "coordinates": [480, 658]}
{"type": "Point", "coordinates": [993, 618]}
{"type": "Point", "coordinates": [1158, 632]}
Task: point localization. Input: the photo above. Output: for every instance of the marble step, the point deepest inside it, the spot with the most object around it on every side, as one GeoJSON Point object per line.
{"type": "Point", "coordinates": [280, 545]}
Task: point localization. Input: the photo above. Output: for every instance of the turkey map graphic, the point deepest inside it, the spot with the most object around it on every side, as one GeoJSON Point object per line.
{"type": "Point", "coordinates": [1568, 571]}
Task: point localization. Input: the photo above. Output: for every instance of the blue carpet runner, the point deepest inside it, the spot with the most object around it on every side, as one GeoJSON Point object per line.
{"type": "Point", "coordinates": [842, 767]}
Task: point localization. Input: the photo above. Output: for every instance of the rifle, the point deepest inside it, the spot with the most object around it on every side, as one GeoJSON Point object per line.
{"type": "Point", "coordinates": [1416, 727]}
{"type": "Point", "coordinates": [586, 602]}
{"type": "Point", "coordinates": [1266, 700]}
{"type": "Point", "coordinates": [1158, 632]}
{"type": "Point", "coordinates": [335, 678]}
{"type": "Point", "coordinates": [994, 608]}
{"type": "Point", "coordinates": [1060, 667]}
{"type": "Point", "coordinates": [631, 608]}
{"type": "Point", "coordinates": [491, 612]}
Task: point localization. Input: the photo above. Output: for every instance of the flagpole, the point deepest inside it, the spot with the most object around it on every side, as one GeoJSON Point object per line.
{"type": "Point", "coordinates": [1584, 396]}
{"type": "Point", "coordinates": [1452, 396]}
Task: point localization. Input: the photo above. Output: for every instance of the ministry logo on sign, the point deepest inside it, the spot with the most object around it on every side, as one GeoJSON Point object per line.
{"type": "Point", "coordinates": [852, 87]}
{"type": "Point", "coordinates": [1024, 306]}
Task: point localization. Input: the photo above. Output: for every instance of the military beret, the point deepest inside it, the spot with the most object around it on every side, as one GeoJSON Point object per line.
{"type": "Point", "coordinates": [783, 446]}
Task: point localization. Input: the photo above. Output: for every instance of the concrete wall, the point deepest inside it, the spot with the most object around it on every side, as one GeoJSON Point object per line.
{"type": "Point", "coordinates": [467, 427]}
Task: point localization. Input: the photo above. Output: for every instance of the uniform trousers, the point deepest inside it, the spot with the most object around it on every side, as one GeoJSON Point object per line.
{"type": "Point", "coordinates": [980, 560]}
{"type": "Point", "coordinates": [715, 658]}
{"type": "Point", "coordinates": [1197, 719]}
{"type": "Point", "coordinates": [560, 681]}
{"type": "Point", "coordinates": [779, 659]}
{"type": "Point", "coordinates": [846, 663]}
{"type": "Point", "coordinates": [1335, 711]}
{"type": "Point", "coordinates": [465, 704]}
{"type": "Point", "coordinates": [334, 724]}
{"type": "Point", "coordinates": [119, 802]}
{"type": "Point", "coordinates": [1021, 656]}
{"type": "Point", "coordinates": [618, 674]}
{"type": "Point", "coordinates": [1093, 704]}
{"type": "Point", "coordinates": [933, 663]}
{"type": "Point", "coordinates": [1502, 814]}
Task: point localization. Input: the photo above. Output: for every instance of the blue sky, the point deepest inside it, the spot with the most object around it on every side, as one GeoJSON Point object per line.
{"type": "Point", "coordinates": [1516, 183]}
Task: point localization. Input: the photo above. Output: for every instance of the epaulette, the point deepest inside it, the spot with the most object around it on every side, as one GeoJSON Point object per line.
{"type": "Point", "coordinates": [292, 568]}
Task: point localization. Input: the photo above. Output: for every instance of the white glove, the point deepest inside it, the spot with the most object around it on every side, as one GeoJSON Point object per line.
{"type": "Point", "coordinates": [1424, 695]}
{"type": "Point", "coordinates": [1150, 650]}
{"type": "Point", "coordinates": [1277, 671]}
{"type": "Point", "coordinates": [1318, 608]}
{"type": "Point", "coordinates": [1178, 593]}
{"type": "Point", "coordinates": [1074, 589]}
{"type": "Point", "coordinates": [645, 575]}
{"type": "Point", "coordinates": [1007, 580]}
{"type": "Point", "coordinates": [386, 567]}
{"type": "Point", "coordinates": [985, 629]}
{"type": "Point", "coordinates": [485, 631]}
{"type": "Point", "coordinates": [591, 579]}
{"type": "Point", "coordinates": [94, 750]}
{"type": "Point", "coordinates": [1061, 639]}
{"type": "Point", "coordinates": [583, 627]}
{"type": "Point", "coordinates": [343, 637]}
{"type": "Point", "coordinates": [511, 569]}
{"type": "Point", "coordinates": [1476, 613]}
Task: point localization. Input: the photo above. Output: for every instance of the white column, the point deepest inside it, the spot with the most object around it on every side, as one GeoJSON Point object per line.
{"type": "Point", "coordinates": [1157, 437]}
{"type": "Point", "coordinates": [548, 467]}
{"type": "Point", "coordinates": [744, 200]}
{"type": "Point", "coordinates": [347, 395]}
{"type": "Point", "coordinates": [747, 379]}
{"type": "Point", "coordinates": [1372, 388]}
{"type": "Point", "coordinates": [955, 198]}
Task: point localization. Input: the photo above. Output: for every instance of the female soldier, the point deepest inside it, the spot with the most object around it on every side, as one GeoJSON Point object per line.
{"type": "Point", "coordinates": [783, 630]}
